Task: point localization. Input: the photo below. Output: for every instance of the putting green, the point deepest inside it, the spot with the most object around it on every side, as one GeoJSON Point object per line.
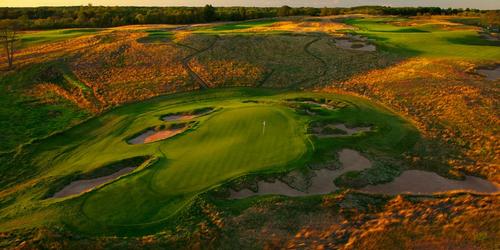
{"type": "Point", "coordinates": [220, 146]}
{"type": "Point", "coordinates": [227, 144]}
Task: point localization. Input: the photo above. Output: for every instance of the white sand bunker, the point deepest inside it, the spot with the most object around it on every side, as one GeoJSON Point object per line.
{"type": "Point", "coordinates": [81, 186]}
{"type": "Point", "coordinates": [490, 74]}
{"type": "Point", "coordinates": [338, 130]}
{"type": "Point", "coordinates": [153, 135]}
{"type": "Point", "coordinates": [422, 182]}
{"type": "Point", "coordinates": [354, 45]}
{"type": "Point", "coordinates": [321, 183]}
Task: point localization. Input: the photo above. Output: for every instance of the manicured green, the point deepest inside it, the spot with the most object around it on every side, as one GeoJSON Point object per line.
{"type": "Point", "coordinates": [227, 143]}
{"type": "Point", "coordinates": [40, 37]}
{"type": "Point", "coordinates": [428, 39]}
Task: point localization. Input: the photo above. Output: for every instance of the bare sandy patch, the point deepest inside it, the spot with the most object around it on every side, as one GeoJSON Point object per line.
{"type": "Point", "coordinates": [423, 182]}
{"type": "Point", "coordinates": [321, 182]}
{"type": "Point", "coordinates": [183, 116]}
{"type": "Point", "coordinates": [152, 135]}
{"type": "Point", "coordinates": [162, 135]}
{"type": "Point", "coordinates": [170, 118]}
{"type": "Point", "coordinates": [490, 36]}
{"type": "Point", "coordinates": [82, 186]}
{"type": "Point", "coordinates": [355, 45]}
{"type": "Point", "coordinates": [323, 105]}
{"type": "Point", "coordinates": [490, 74]}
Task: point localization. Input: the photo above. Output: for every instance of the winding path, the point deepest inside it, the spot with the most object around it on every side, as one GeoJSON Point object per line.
{"type": "Point", "coordinates": [185, 63]}
{"type": "Point", "coordinates": [323, 62]}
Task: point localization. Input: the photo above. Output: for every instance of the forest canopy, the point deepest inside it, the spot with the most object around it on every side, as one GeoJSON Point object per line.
{"type": "Point", "coordinates": [100, 16]}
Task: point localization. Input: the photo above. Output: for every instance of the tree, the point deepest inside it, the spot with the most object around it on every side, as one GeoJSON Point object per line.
{"type": "Point", "coordinates": [284, 10]}
{"type": "Point", "coordinates": [8, 38]}
{"type": "Point", "coordinates": [209, 13]}
{"type": "Point", "coordinates": [140, 18]}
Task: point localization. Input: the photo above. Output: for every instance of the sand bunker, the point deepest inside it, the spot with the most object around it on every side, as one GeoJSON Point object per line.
{"type": "Point", "coordinates": [490, 74]}
{"type": "Point", "coordinates": [422, 182]}
{"type": "Point", "coordinates": [81, 186]}
{"type": "Point", "coordinates": [354, 45]}
{"type": "Point", "coordinates": [153, 135]}
{"type": "Point", "coordinates": [490, 36]}
{"type": "Point", "coordinates": [338, 130]}
{"type": "Point", "coordinates": [187, 115]}
{"type": "Point", "coordinates": [323, 105]}
{"type": "Point", "coordinates": [321, 183]}
{"type": "Point", "coordinates": [170, 118]}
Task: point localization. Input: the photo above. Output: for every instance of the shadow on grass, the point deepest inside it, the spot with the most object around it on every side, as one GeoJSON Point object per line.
{"type": "Point", "coordinates": [473, 40]}
{"type": "Point", "coordinates": [405, 30]}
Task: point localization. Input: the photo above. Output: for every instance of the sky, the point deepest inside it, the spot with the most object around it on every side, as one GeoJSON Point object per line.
{"type": "Point", "coordinates": [479, 4]}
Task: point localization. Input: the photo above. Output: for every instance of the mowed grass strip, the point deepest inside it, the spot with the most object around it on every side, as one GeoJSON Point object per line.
{"type": "Point", "coordinates": [40, 37]}
{"type": "Point", "coordinates": [429, 40]}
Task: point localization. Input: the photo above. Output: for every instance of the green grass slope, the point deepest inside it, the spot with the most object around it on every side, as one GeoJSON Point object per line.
{"type": "Point", "coordinates": [40, 37]}
{"type": "Point", "coordinates": [225, 144]}
{"type": "Point", "coordinates": [430, 40]}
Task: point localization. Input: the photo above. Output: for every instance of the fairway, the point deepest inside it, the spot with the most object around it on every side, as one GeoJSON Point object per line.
{"type": "Point", "coordinates": [431, 40]}
{"type": "Point", "coordinates": [41, 37]}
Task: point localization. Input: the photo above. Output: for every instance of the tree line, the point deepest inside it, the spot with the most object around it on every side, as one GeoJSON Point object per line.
{"type": "Point", "coordinates": [101, 16]}
{"type": "Point", "coordinates": [13, 20]}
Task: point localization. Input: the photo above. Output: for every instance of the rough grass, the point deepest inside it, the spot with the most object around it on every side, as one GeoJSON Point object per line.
{"type": "Point", "coordinates": [231, 27]}
{"type": "Point", "coordinates": [282, 61]}
{"type": "Point", "coordinates": [454, 110]}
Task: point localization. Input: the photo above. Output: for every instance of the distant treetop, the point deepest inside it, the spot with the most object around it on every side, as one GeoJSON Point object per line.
{"type": "Point", "coordinates": [100, 16]}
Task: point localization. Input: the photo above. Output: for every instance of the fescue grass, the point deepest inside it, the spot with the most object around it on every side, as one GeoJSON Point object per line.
{"type": "Point", "coordinates": [231, 27]}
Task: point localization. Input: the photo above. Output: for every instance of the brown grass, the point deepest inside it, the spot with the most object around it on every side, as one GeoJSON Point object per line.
{"type": "Point", "coordinates": [447, 103]}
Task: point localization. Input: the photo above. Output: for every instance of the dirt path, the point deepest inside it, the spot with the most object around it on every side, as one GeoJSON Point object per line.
{"type": "Point", "coordinates": [423, 182]}
{"type": "Point", "coordinates": [266, 77]}
{"type": "Point", "coordinates": [82, 186]}
{"type": "Point", "coordinates": [323, 62]}
{"type": "Point", "coordinates": [185, 63]}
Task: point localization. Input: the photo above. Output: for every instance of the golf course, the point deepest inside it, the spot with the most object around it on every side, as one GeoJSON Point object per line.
{"type": "Point", "coordinates": [368, 127]}
{"type": "Point", "coordinates": [247, 131]}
